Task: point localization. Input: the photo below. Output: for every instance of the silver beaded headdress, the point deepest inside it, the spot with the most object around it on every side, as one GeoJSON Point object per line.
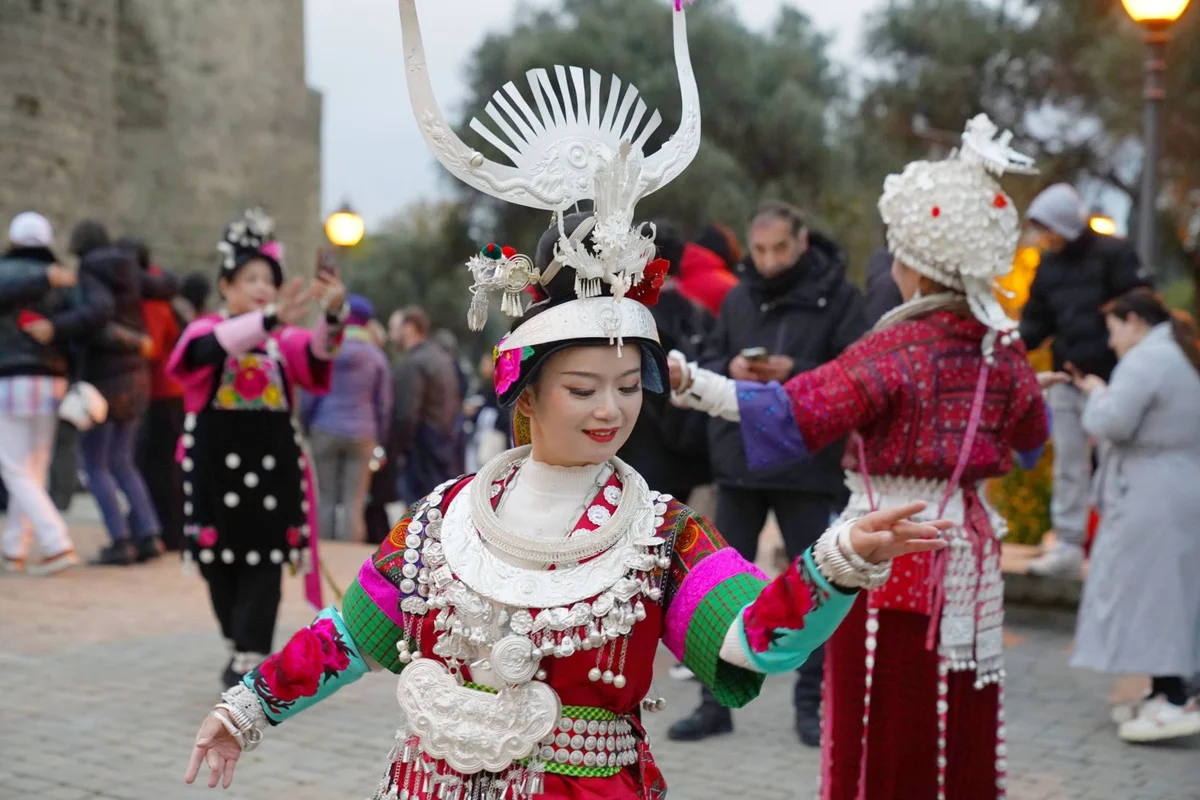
{"type": "Point", "coordinates": [950, 221]}
{"type": "Point", "coordinates": [580, 144]}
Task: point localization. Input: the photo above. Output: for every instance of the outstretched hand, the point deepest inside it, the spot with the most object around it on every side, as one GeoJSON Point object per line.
{"type": "Point", "coordinates": [294, 300]}
{"type": "Point", "coordinates": [216, 746]}
{"type": "Point", "coordinates": [883, 535]}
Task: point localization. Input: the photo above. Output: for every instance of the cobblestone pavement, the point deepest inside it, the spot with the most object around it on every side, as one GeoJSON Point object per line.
{"type": "Point", "coordinates": [106, 673]}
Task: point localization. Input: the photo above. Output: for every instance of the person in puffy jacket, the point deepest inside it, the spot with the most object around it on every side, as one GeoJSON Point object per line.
{"type": "Point", "coordinates": [792, 311]}
{"type": "Point", "coordinates": [116, 363]}
{"type": "Point", "coordinates": [44, 307]}
{"type": "Point", "coordinates": [1080, 272]}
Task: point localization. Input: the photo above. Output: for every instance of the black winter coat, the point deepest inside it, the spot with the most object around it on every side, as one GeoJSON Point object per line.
{"type": "Point", "coordinates": [669, 445]}
{"type": "Point", "coordinates": [74, 313]}
{"type": "Point", "coordinates": [1067, 294]}
{"type": "Point", "coordinates": [113, 361]}
{"type": "Point", "coordinates": [817, 316]}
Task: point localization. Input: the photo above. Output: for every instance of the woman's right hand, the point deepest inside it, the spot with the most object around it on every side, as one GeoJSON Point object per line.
{"type": "Point", "coordinates": [216, 746]}
{"type": "Point", "coordinates": [294, 300]}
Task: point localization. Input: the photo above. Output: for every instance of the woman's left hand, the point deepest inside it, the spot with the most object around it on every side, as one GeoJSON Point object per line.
{"type": "Point", "coordinates": [883, 535]}
{"type": "Point", "coordinates": [331, 292]}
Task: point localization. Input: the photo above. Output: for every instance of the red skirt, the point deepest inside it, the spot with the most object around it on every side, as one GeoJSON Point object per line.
{"type": "Point", "coordinates": [902, 737]}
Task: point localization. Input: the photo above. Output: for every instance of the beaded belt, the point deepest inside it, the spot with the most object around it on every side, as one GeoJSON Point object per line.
{"type": "Point", "coordinates": [589, 743]}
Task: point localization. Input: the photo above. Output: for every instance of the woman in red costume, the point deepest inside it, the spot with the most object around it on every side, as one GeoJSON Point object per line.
{"type": "Point", "coordinates": [940, 395]}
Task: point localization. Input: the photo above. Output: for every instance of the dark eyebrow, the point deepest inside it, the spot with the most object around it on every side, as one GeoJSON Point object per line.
{"type": "Point", "coordinates": [595, 376]}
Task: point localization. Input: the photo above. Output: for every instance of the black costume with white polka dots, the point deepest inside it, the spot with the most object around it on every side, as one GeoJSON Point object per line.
{"type": "Point", "coordinates": [246, 507]}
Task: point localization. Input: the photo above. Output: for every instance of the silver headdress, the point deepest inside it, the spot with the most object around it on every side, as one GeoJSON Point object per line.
{"type": "Point", "coordinates": [950, 221]}
{"type": "Point", "coordinates": [579, 144]}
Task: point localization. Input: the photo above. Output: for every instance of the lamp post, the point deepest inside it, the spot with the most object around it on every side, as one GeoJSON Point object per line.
{"type": "Point", "coordinates": [1156, 18]}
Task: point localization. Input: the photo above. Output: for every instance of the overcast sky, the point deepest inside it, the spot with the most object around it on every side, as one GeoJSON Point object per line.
{"type": "Point", "coordinates": [374, 155]}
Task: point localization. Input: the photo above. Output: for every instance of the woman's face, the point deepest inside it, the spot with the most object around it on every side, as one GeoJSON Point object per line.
{"type": "Point", "coordinates": [585, 404]}
{"type": "Point", "coordinates": [252, 287]}
{"type": "Point", "coordinates": [1123, 334]}
{"type": "Point", "coordinates": [907, 280]}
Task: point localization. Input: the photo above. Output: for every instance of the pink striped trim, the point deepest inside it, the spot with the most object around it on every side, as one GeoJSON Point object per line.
{"type": "Point", "coordinates": [381, 591]}
{"type": "Point", "coordinates": [719, 566]}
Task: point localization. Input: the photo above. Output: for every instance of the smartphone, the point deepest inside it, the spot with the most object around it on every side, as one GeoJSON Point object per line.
{"type": "Point", "coordinates": [326, 263]}
{"type": "Point", "coordinates": [755, 354]}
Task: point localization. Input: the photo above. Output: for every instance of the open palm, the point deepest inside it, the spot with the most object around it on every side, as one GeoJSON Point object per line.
{"type": "Point", "coordinates": [883, 535]}
{"type": "Point", "coordinates": [216, 746]}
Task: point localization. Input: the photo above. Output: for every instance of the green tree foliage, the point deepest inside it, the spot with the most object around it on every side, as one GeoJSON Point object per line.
{"type": "Point", "coordinates": [1064, 75]}
{"type": "Point", "coordinates": [418, 258]}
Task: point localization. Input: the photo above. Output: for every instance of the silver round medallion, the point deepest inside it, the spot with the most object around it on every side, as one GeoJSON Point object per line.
{"type": "Point", "coordinates": [268, 463]}
{"type": "Point", "coordinates": [513, 661]}
{"type": "Point", "coordinates": [233, 461]}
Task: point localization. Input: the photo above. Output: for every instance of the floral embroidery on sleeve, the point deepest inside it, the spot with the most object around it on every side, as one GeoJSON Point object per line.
{"type": "Point", "coordinates": [310, 659]}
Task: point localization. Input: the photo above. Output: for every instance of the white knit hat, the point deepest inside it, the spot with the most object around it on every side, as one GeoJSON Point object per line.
{"type": "Point", "coordinates": [951, 222]}
{"type": "Point", "coordinates": [1059, 208]}
{"type": "Point", "coordinates": [31, 229]}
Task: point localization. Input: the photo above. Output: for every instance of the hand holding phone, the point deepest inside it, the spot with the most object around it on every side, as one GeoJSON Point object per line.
{"type": "Point", "coordinates": [755, 354]}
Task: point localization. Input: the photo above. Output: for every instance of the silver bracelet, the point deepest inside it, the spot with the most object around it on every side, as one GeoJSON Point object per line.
{"type": "Point", "coordinates": [245, 714]}
{"type": "Point", "coordinates": [844, 568]}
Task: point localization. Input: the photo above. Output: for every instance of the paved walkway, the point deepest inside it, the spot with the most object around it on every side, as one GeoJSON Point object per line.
{"type": "Point", "coordinates": [106, 673]}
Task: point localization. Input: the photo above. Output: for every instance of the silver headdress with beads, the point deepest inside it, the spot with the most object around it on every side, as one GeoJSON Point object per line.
{"type": "Point", "coordinates": [580, 144]}
{"type": "Point", "coordinates": [951, 222]}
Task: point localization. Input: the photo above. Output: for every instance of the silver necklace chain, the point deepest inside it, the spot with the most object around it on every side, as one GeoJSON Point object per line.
{"type": "Point", "coordinates": [569, 550]}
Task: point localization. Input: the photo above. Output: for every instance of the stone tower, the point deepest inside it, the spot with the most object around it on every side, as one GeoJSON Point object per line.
{"type": "Point", "coordinates": [191, 111]}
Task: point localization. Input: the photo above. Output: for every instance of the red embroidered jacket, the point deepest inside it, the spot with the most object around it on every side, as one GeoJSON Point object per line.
{"type": "Point", "coordinates": [908, 391]}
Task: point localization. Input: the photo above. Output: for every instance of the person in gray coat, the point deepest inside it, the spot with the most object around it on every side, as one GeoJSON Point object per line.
{"type": "Point", "coordinates": [1141, 603]}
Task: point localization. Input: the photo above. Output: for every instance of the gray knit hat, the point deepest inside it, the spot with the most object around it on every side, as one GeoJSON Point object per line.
{"type": "Point", "coordinates": [1059, 208]}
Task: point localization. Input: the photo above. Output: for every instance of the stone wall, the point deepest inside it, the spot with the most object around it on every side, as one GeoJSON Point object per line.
{"type": "Point", "coordinates": [195, 110]}
{"type": "Point", "coordinates": [57, 116]}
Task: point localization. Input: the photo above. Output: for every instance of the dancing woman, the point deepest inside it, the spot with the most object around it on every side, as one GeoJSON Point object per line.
{"type": "Point", "coordinates": [246, 489]}
{"type": "Point", "coordinates": [941, 394]}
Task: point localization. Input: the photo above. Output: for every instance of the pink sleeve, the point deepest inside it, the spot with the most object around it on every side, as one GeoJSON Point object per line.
{"type": "Point", "coordinates": [311, 374]}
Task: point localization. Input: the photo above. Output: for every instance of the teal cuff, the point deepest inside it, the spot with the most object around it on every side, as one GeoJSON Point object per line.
{"type": "Point", "coordinates": [316, 662]}
{"type": "Point", "coordinates": [791, 648]}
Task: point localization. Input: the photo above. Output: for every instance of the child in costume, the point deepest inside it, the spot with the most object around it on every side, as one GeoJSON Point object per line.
{"type": "Point", "coordinates": [941, 395]}
{"type": "Point", "coordinates": [522, 606]}
{"type": "Point", "coordinates": [247, 494]}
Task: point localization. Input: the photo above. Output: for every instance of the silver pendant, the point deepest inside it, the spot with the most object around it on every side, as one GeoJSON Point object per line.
{"type": "Point", "coordinates": [513, 661]}
{"type": "Point", "coordinates": [474, 731]}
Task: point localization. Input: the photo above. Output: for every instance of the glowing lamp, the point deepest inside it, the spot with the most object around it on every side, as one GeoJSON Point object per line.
{"type": "Point", "coordinates": [344, 227]}
{"type": "Point", "coordinates": [1155, 11]}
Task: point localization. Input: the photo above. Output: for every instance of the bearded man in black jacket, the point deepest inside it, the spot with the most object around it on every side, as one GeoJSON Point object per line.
{"type": "Point", "coordinates": [793, 310]}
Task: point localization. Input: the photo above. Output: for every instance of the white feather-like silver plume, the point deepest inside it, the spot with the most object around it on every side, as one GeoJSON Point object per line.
{"type": "Point", "coordinates": [984, 144]}
{"type": "Point", "coordinates": [555, 150]}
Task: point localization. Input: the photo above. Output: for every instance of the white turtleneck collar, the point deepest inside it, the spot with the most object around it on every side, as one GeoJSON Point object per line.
{"type": "Point", "coordinates": [542, 478]}
{"type": "Point", "coordinates": [546, 501]}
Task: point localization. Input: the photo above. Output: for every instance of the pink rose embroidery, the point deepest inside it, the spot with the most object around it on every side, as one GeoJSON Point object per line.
{"type": "Point", "coordinates": [251, 380]}
{"type": "Point", "coordinates": [508, 366]}
{"type": "Point", "coordinates": [207, 537]}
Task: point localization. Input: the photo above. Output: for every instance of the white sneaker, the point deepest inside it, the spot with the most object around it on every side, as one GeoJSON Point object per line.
{"type": "Point", "coordinates": [1157, 720]}
{"type": "Point", "coordinates": [681, 673]}
{"type": "Point", "coordinates": [1124, 712]}
{"type": "Point", "coordinates": [55, 564]}
{"type": "Point", "coordinates": [1063, 561]}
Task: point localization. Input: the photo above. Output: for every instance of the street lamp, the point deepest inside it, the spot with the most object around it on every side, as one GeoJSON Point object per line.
{"type": "Point", "coordinates": [1156, 18]}
{"type": "Point", "coordinates": [345, 228]}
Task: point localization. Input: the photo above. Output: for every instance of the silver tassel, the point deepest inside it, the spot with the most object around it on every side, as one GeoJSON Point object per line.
{"type": "Point", "coordinates": [514, 303]}
{"type": "Point", "coordinates": [477, 315]}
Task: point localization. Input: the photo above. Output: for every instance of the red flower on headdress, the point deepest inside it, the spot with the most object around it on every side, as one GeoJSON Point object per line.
{"type": "Point", "coordinates": [937, 211]}
{"type": "Point", "coordinates": [1000, 201]}
{"type": "Point", "coordinates": [647, 289]}
{"type": "Point", "coordinates": [509, 252]}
